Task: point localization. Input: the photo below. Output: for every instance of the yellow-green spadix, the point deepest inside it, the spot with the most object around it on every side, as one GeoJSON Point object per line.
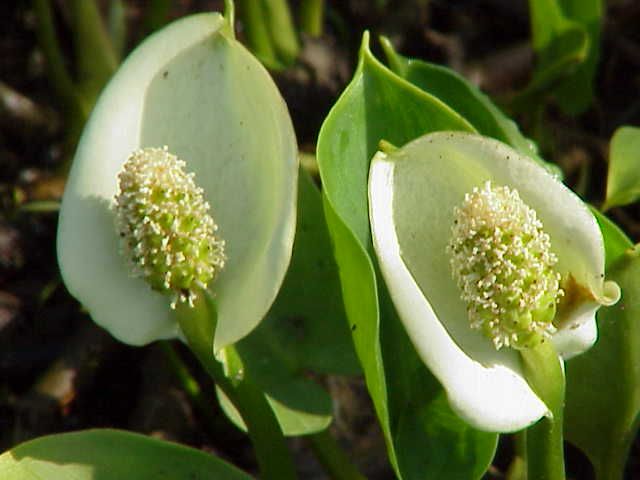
{"type": "Point", "coordinates": [166, 231]}
{"type": "Point", "coordinates": [192, 88]}
{"type": "Point", "coordinates": [480, 247]}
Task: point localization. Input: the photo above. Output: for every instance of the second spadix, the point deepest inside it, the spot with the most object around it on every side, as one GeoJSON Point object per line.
{"type": "Point", "coordinates": [414, 194]}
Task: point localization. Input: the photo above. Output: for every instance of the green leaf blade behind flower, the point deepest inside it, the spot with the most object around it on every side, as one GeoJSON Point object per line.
{"type": "Point", "coordinates": [379, 105]}
{"type": "Point", "coordinates": [305, 333]}
{"type": "Point", "coordinates": [623, 181]}
{"type": "Point", "coordinates": [603, 387]}
{"type": "Point", "coordinates": [191, 87]}
{"type": "Point", "coordinates": [616, 242]}
{"type": "Point", "coordinates": [110, 455]}
{"type": "Point", "coordinates": [462, 96]}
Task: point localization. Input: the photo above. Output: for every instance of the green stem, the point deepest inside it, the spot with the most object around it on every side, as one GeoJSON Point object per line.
{"type": "Point", "coordinates": [332, 457]}
{"type": "Point", "coordinates": [611, 470]}
{"type": "Point", "coordinates": [545, 448]}
{"type": "Point", "coordinates": [256, 31]}
{"type": "Point", "coordinates": [612, 465]}
{"type": "Point", "coordinates": [117, 26]}
{"type": "Point", "coordinates": [58, 73]}
{"type": "Point", "coordinates": [189, 384]}
{"type": "Point", "coordinates": [282, 30]}
{"type": "Point", "coordinates": [274, 459]}
{"type": "Point", "coordinates": [312, 17]}
{"type": "Point", "coordinates": [96, 59]}
{"type": "Point", "coordinates": [518, 468]}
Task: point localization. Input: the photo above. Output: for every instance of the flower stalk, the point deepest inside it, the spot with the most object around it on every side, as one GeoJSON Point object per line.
{"type": "Point", "coordinates": [544, 450]}
{"type": "Point", "coordinates": [198, 325]}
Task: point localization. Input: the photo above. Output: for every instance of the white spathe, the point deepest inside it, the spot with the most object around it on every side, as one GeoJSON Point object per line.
{"type": "Point", "coordinates": [195, 89]}
{"type": "Point", "coordinates": [412, 194]}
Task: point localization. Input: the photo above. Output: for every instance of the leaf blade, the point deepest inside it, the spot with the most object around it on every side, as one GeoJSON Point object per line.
{"type": "Point", "coordinates": [110, 455]}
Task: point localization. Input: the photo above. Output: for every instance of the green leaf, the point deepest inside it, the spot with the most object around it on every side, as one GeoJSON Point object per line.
{"type": "Point", "coordinates": [623, 181]}
{"type": "Point", "coordinates": [566, 37]}
{"type": "Point", "coordinates": [305, 332]}
{"type": "Point", "coordinates": [603, 385]}
{"type": "Point", "coordinates": [421, 414]}
{"type": "Point", "coordinates": [463, 97]}
{"type": "Point", "coordinates": [193, 87]}
{"type": "Point", "coordinates": [575, 94]}
{"type": "Point", "coordinates": [307, 321]}
{"type": "Point", "coordinates": [568, 48]}
{"type": "Point", "coordinates": [616, 242]}
{"type": "Point", "coordinates": [429, 418]}
{"type": "Point", "coordinates": [110, 455]}
{"type": "Point", "coordinates": [379, 105]}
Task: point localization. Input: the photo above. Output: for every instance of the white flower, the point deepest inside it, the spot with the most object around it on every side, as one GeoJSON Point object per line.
{"type": "Point", "coordinates": [195, 89]}
{"type": "Point", "coordinates": [416, 194]}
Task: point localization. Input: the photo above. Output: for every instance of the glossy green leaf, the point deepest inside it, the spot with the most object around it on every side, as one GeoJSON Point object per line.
{"type": "Point", "coordinates": [307, 322]}
{"type": "Point", "coordinates": [462, 96]}
{"type": "Point", "coordinates": [623, 181]}
{"type": "Point", "coordinates": [193, 87]}
{"type": "Point", "coordinates": [110, 455]}
{"type": "Point", "coordinates": [305, 332]}
{"type": "Point", "coordinates": [379, 105]}
{"type": "Point", "coordinates": [616, 242]}
{"type": "Point", "coordinates": [421, 414]}
{"type": "Point", "coordinates": [603, 385]}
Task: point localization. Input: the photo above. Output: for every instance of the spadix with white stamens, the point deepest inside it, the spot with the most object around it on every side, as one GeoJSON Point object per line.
{"type": "Point", "coordinates": [502, 262]}
{"type": "Point", "coordinates": [166, 231]}
{"type": "Point", "coordinates": [519, 231]}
